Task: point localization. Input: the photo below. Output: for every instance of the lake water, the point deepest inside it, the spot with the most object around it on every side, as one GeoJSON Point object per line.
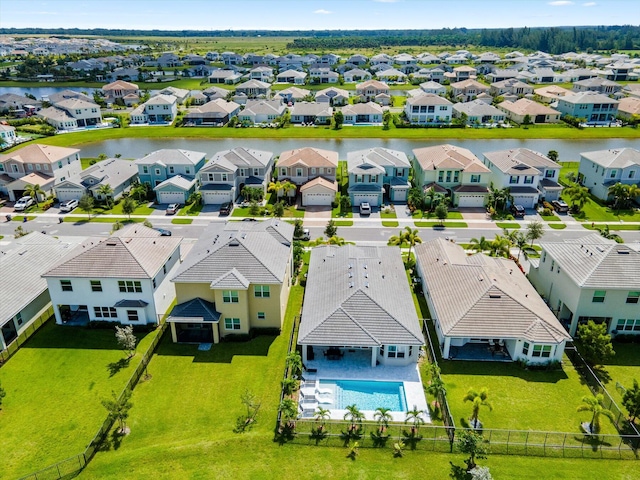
{"type": "Point", "coordinates": [568, 150]}
{"type": "Point", "coordinates": [40, 92]}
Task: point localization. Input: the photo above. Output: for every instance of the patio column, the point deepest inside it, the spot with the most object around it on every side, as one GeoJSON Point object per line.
{"type": "Point", "coordinates": [3, 345]}
{"type": "Point", "coordinates": [56, 312]}
{"type": "Point", "coordinates": [174, 335]}
{"type": "Point", "coordinates": [374, 358]}
{"type": "Point", "coordinates": [304, 354]}
{"type": "Point", "coordinates": [445, 349]}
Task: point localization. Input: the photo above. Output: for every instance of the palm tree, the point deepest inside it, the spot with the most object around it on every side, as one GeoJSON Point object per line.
{"type": "Point", "coordinates": [535, 230]}
{"type": "Point", "coordinates": [335, 240]}
{"type": "Point", "coordinates": [633, 192]}
{"type": "Point", "coordinates": [620, 195]}
{"type": "Point", "coordinates": [578, 196]}
{"type": "Point", "coordinates": [479, 245]}
{"type": "Point", "coordinates": [477, 399]}
{"type": "Point", "coordinates": [353, 415]}
{"type": "Point", "coordinates": [414, 416]}
{"type": "Point", "coordinates": [321, 414]}
{"type": "Point", "coordinates": [606, 233]}
{"type": "Point", "coordinates": [408, 235]}
{"type": "Point", "coordinates": [431, 196]}
{"type": "Point", "coordinates": [383, 417]}
{"type": "Point", "coordinates": [275, 187]}
{"type": "Point", "coordinates": [288, 187]}
{"type": "Point", "coordinates": [415, 198]}
{"type": "Point", "coordinates": [595, 405]}
{"type": "Point", "coordinates": [106, 191]}
{"type": "Point", "coordinates": [499, 246]}
{"type": "Point", "coordinates": [519, 240]}
{"type": "Point", "coordinates": [294, 362]}
{"type": "Point", "coordinates": [34, 191]}
{"type": "Point", "coordinates": [289, 412]}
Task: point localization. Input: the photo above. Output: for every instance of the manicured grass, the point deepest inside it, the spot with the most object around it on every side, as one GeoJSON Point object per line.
{"type": "Point", "coordinates": [142, 209]}
{"type": "Point", "coordinates": [182, 221]}
{"type": "Point", "coordinates": [289, 212]}
{"type": "Point", "coordinates": [54, 386]}
{"type": "Point", "coordinates": [557, 225]}
{"type": "Point", "coordinates": [343, 223]}
{"type": "Point", "coordinates": [123, 220]}
{"type": "Point", "coordinates": [508, 225]}
{"type": "Point", "coordinates": [450, 215]}
{"type": "Point", "coordinates": [191, 209]}
{"type": "Point", "coordinates": [612, 226]}
{"type": "Point", "coordinates": [20, 218]}
{"type": "Point", "coordinates": [439, 224]}
{"type": "Point", "coordinates": [337, 213]}
{"type": "Point", "coordinates": [550, 218]}
{"type": "Point", "coordinates": [389, 223]}
{"type": "Point", "coordinates": [622, 368]}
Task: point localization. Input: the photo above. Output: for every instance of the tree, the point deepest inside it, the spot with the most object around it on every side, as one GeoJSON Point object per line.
{"type": "Point", "coordinates": [289, 187]}
{"type": "Point", "coordinates": [620, 194]}
{"type": "Point", "coordinates": [118, 409]}
{"type": "Point", "coordinates": [331, 230]}
{"type": "Point", "coordinates": [477, 399]}
{"type": "Point", "coordinates": [410, 236]}
{"type": "Point", "coordinates": [578, 196]}
{"type": "Point", "coordinates": [415, 417]}
{"type": "Point", "coordinates": [86, 203]}
{"type": "Point", "coordinates": [480, 245]}
{"type": "Point", "coordinates": [106, 192]}
{"type": "Point", "coordinates": [338, 120]}
{"type": "Point", "coordinates": [436, 386]}
{"type": "Point", "coordinates": [34, 191]}
{"type": "Point", "coordinates": [499, 246]}
{"type": "Point", "coordinates": [294, 362]}
{"type": "Point", "coordinates": [383, 417]}
{"type": "Point", "coordinates": [195, 198]}
{"type": "Point", "coordinates": [535, 230]}
{"type": "Point", "coordinates": [630, 400]}
{"type": "Point", "coordinates": [126, 339]}
{"type": "Point", "coordinates": [441, 212]}
{"type": "Point", "coordinates": [345, 203]}
{"type": "Point", "coordinates": [606, 233]}
{"type": "Point", "coordinates": [595, 405]}
{"type": "Point", "coordinates": [355, 416]}
{"type": "Point", "coordinates": [320, 415]}
{"type": "Point", "coordinates": [595, 342]}
{"type": "Point", "coordinates": [289, 412]}
{"type": "Point", "coordinates": [386, 119]}
{"type": "Point", "coordinates": [298, 229]}
{"type": "Point", "coordinates": [3, 394]}
{"type": "Point", "coordinates": [278, 209]}
{"type": "Point", "coordinates": [473, 444]}
{"type": "Point", "coordinates": [335, 240]}
{"type": "Point", "coordinates": [526, 120]}
{"type": "Point", "coordinates": [273, 187]}
{"type": "Point", "coordinates": [553, 155]}
{"type": "Point", "coordinates": [129, 206]}
{"type": "Point", "coordinates": [415, 198]}
{"type": "Point", "coordinates": [248, 399]}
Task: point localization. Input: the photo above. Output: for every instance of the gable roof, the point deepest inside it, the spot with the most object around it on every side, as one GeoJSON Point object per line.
{"type": "Point", "coordinates": [311, 157]}
{"type": "Point", "coordinates": [450, 157]}
{"type": "Point", "coordinates": [358, 295]}
{"type": "Point", "coordinates": [483, 297]}
{"type": "Point", "coordinates": [423, 98]}
{"type": "Point", "coordinates": [241, 157]}
{"type": "Point", "coordinates": [37, 153]}
{"type": "Point", "coordinates": [120, 85]}
{"type": "Point", "coordinates": [614, 158]}
{"type": "Point", "coordinates": [379, 156]}
{"type": "Point", "coordinates": [524, 106]}
{"type": "Point", "coordinates": [520, 161]}
{"type": "Point", "coordinates": [171, 156]}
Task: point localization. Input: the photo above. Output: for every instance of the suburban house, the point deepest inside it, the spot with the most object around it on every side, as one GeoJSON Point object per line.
{"type": "Point", "coordinates": [478, 112]}
{"type": "Point", "coordinates": [118, 174]}
{"type": "Point", "coordinates": [362, 113]}
{"type": "Point", "coordinates": [171, 173]}
{"type": "Point", "coordinates": [181, 94]}
{"type": "Point", "coordinates": [590, 278]}
{"type": "Point", "coordinates": [594, 107]}
{"type": "Point", "coordinates": [373, 91]}
{"type": "Point", "coordinates": [597, 84]}
{"type": "Point", "coordinates": [550, 93]}
{"type": "Point", "coordinates": [292, 76]}
{"type": "Point", "coordinates": [629, 108]}
{"type": "Point", "coordinates": [261, 73]}
{"type": "Point", "coordinates": [18, 104]}
{"type": "Point", "coordinates": [120, 91]}
{"type": "Point", "coordinates": [262, 111]}
{"type": "Point", "coordinates": [511, 86]}
{"type": "Point", "coordinates": [358, 59]}
{"type": "Point", "coordinates": [391, 75]}
{"type": "Point", "coordinates": [214, 113]}
{"type": "Point", "coordinates": [123, 278]}
{"type": "Point", "coordinates": [214, 93]}
{"type": "Point", "coordinates": [37, 164]}
{"type": "Point", "coordinates": [161, 109]}
{"type": "Point", "coordinates": [381, 59]}
{"type": "Point", "coordinates": [601, 169]}
{"type": "Point", "coordinates": [235, 279]}
{"type": "Point", "coordinates": [228, 172]}
{"type": "Point", "coordinates": [313, 170]}
{"type": "Point", "coordinates": [72, 113]}
{"type": "Point", "coordinates": [228, 77]}
{"type": "Point", "coordinates": [254, 89]}
{"type": "Point", "coordinates": [431, 87]}
{"type": "Point", "coordinates": [7, 135]}
{"type": "Point", "coordinates": [484, 308]}
{"type": "Point", "coordinates": [22, 264]}
{"type": "Point", "coordinates": [292, 94]}
{"type": "Point", "coordinates": [311, 112]}
{"type": "Point", "coordinates": [454, 171]}
{"type": "Point", "coordinates": [530, 176]}
{"type": "Point", "coordinates": [356, 75]}
{"type": "Point", "coordinates": [467, 90]}
{"type": "Point", "coordinates": [377, 174]}
{"type": "Point", "coordinates": [358, 301]}
{"type": "Point", "coordinates": [537, 113]}
{"type": "Point", "coordinates": [332, 95]}
{"type": "Point", "coordinates": [323, 75]}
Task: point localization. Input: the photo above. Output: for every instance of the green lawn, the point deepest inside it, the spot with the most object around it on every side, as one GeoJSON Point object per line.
{"type": "Point", "coordinates": [390, 223]}
{"type": "Point", "coordinates": [439, 224]}
{"type": "Point", "coordinates": [343, 223]}
{"type": "Point", "coordinates": [182, 221]}
{"type": "Point", "coordinates": [622, 368]}
{"type": "Point", "coordinates": [550, 218]}
{"type": "Point", "coordinates": [337, 213]}
{"type": "Point", "coordinates": [387, 215]}
{"type": "Point", "coordinates": [450, 215]}
{"type": "Point", "coordinates": [54, 386]}
{"type": "Point", "coordinates": [557, 225]}
{"type": "Point", "coordinates": [508, 225]}
{"type": "Point", "coordinates": [612, 226]}
{"type": "Point", "coordinates": [141, 209]}
{"type": "Point", "coordinates": [123, 220]}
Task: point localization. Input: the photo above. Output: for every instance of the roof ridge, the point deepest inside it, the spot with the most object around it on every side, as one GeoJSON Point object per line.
{"type": "Point", "coordinates": [126, 246]}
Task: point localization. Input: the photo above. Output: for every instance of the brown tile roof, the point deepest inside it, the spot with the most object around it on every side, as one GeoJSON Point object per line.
{"type": "Point", "coordinates": [310, 157]}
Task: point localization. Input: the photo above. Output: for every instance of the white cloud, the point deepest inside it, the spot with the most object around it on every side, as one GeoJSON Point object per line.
{"type": "Point", "coordinates": [589, 4]}
{"type": "Point", "coordinates": [560, 3]}
{"type": "Point", "coordinates": [322, 11]}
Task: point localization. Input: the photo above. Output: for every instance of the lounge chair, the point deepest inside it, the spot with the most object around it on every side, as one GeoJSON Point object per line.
{"type": "Point", "coordinates": [324, 391]}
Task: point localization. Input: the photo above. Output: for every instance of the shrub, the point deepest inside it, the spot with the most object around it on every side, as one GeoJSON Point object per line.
{"type": "Point", "coordinates": [546, 212]}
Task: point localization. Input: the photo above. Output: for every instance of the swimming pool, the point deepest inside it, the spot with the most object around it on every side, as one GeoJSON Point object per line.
{"type": "Point", "coordinates": [366, 395]}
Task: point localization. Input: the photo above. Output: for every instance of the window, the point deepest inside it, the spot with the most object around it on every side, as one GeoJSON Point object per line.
{"type": "Point", "coordinates": [449, 176]}
{"type": "Point", "coordinates": [261, 316]}
{"type": "Point", "coordinates": [187, 170]}
{"type": "Point", "coordinates": [440, 176]}
{"type": "Point", "coordinates": [598, 296]}
{"type": "Point", "coordinates": [130, 286]}
{"type": "Point", "coordinates": [105, 312]}
{"type": "Point", "coordinates": [541, 351]}
{"type": "Point", "coordinates": [230, 296]}
{"type": "Point", "coordinates": [475, 178]}
{"type": "Point", "coordinates": [261, 291]}
{"type": "Point", "coordinates": [613, 174]}
{"type": "Point", "coordinates": [171, 169]}
{"type": "Point", "coordinates": [392, 351]}
{"type": "Point", "coordinates": [525, 348]}
{"type": "Point", "coordinates": [66, 285]}
{"type": "Point", "coordinates": [632, 174]}
{"type": "Point", "coordinates": [132, 315]}
{"type": "Point", "coordinates": [164, 269]}
{"type": "Point", "coordinates": [528, 180]}
{"type": "Point", "coordinates": [19, 318]}
{"type": "Point", "coordinates": [96, 286]}
{"type": "Point", "coordinates": [550, 174]}
{"type": "Point", "coordinates": [298, 172]}
{"type": "Point", "coordinates": [410, 350]}
{"type": "Point", "coordinates": [513, 179]}
{"type": "Point", "coordinates": [59, 164]}
{"type": "Point", "coordinates": [283, 171]}
{"type": "Point", "coordinates": [232, 324]}
{"type": "Point", "coordinates": [633, 297]}
{"type": "Point", "coordinates": [628, 325]}
{"type": "Point", "coordinates": [157, 171]}
{"type": "Point", "coordinates": [456, 176]}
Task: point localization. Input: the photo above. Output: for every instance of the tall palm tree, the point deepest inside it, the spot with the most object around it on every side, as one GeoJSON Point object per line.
{"type": "Point", "coordinates": [287, 188]}
{"type": "Point", "coordinates": [477, 399]}
{"type": "Point", "coordinates": [289, 412]}
{"type": "Point", "coordinates": [383, 417]}
{"type": "Point", "coordinates": [415, 417]}
{"type": "Point", "coordinates": [633, 192]}
{"type": "Point", "coordinates": [415, 198]}
{"type": "Point", "coordinates": [578, 195]}
{"type": "Point", "coordinates": [480, 245]}
{"type": "Point", "coordinates": [620, 195]}
{"type": "Point", "coordinates": [294, 362]}
{"type": "Point", "coordinates": [321, 414]}
{"type": "Point", "coordinates": [408, 235]}
{"type": "Point", "coordinates": [34, 191]}
{"type": "Point", "coordinates": [519, 240]}
{"type": "Point", "coordinates": [535, 230]}
{"type": "Point", "coordinates": [106, 191]}
{"type": "Point", "coordinates": [353, 415]}
{"type": "Point", "coordinates": [499, 246]}
{"type": "Point", "coordinates": [595, 405]}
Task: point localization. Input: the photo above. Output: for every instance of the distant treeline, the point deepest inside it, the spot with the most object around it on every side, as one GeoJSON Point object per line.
{"type": "Point", "coordinates": [552, 40]}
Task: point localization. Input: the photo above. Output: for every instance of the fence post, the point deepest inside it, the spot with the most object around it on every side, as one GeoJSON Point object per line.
{"type": "Point", "coordinates": [508, 439]}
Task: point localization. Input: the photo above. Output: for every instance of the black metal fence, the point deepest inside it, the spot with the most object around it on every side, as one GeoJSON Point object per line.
{"type": "Point", "coordinates": [17, 342]}
{"type": "Point", "coordinates": [294, 331]}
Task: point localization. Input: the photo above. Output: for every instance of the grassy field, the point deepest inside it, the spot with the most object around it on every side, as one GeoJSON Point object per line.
{"type": "Point", "coordinates": [54, 386]}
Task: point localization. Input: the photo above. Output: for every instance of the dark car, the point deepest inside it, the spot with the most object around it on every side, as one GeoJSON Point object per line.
{"type": "Point", "coordinates": [517, 210]}
{"type": "Point", "coordinates": [164, 232]}
{"type": "Point", "coordinates": [560, 206]}
{"type": "Point", "coordinates": [225, 208]}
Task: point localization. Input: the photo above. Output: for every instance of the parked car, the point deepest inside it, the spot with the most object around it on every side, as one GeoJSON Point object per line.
{"type": "Point", "coordinates": [306, 235]}
{"type": "Point", "coordinates": [517, 210]}
{"type": "Point", "coordinates": [23, 203]}
{"type": "Point", "coordinates": [68, 205]}
{"type": "Point", "coordinates": [560, 206]}
{"type": "Point", "coordinates": [225, 208]}
{"type": "Point", "coordinates": [365, 208]}
{"type": "Point", "coordinates": [164, 232]}
{"type": "Point", "coordinates": [173, 208]}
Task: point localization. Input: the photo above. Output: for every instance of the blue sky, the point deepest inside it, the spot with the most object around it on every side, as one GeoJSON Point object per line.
{"type": "Point", "coordinates": [314, 14]}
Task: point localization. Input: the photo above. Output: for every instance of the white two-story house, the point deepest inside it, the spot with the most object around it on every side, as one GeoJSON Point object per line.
{"type": "Point", "coordinates": [601, 169]}
{"type": "Point", "coordinates": [426, 108]}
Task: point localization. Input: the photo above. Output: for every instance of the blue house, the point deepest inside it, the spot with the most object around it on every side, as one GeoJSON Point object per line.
{"type": "Point", "coordinates": [163, 165]}
{"type": "Point", "coordinates": [378, 175]}
{"type": "Point", "coordinates": [594, 107]}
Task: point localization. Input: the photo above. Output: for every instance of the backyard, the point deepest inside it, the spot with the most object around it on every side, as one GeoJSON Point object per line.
{"type": "Point", "coordinates": [54, 386]}
{"type": "Point", "coordinates": [621, 370]}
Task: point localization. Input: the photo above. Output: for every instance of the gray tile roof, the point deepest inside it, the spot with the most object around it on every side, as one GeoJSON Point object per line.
{"type": "Point", "coordinates": [368, 304]}
{"type": "Point", "coordinates": [483, 297]}
{"type": "Point", "coordinates": [242, 157]}
{"type": "Point", "coordinates": [520, 161]}
{"type": "Point", "coordinates": [131, 303]}
{"type": "Point", "coordinates": [184, 183]}
{"type": "Point", "coordinates": [171, 156]}
{"type": "Point", "coordinates": [477, 108]}
{"type": "Point", "coordinates": [237, 253]}
{"type": "Point", "coordinates": [595, 262]}
{"type": "Point", "coordinates": [614, 158]}
{"type": "Point", "coordinates": [379, 156]}
{"type": "Point", "coordinates": [194, 310]}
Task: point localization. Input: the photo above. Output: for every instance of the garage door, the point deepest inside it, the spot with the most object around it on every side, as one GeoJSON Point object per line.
{"type": "Point", "coordinates": [399, 195]}
{"type": "Point", "coordinates": [216, 198]}
{"type": "Point", "coordinates": [310, 199]}
{"type": "Point", "coordinates": [525, 201]}
{"type": "Point", "coordinates": [170, 197]}
{"type": "Point", "coordinates": [471, 201]}
{"type": "Point", "coordinates": [372, 199]}
{"type": "Point", "coordinates": [68, 194]}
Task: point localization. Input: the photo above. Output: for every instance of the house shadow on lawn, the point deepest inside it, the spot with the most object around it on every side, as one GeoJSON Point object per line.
{"type": "Point", "coordinates": [501, 369]}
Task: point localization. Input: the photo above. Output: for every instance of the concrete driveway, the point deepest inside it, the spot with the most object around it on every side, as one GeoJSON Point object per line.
{"type": "Point", "coordinates": [317, 212]}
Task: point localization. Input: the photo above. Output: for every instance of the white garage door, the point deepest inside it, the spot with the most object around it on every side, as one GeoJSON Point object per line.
{"type": "Point", "coordinates": [216, 198]}
{"type": "Point", "coordinates": [399, 195]}
{"type": "Point", "coordinates": [170, 197]}
{"type": "Point", "coordinates": [310, 199]}
{"type": "Point", "coordinates": [67, 194]}
{"type": "Point", "coordinates": [372, 199]}
{"type": "Point", "coordinates": [525, 200]}
{"type": "Point", "coordinates": [471, 201]}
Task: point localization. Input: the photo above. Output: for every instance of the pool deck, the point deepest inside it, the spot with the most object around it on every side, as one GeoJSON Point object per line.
{"type": "Point", "coordinates": [357, 366]}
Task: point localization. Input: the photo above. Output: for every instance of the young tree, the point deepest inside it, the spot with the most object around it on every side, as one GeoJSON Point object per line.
{"type": "Point", "coordinates": [441, 212]}
{"type": "Point", "coordinates": [86, 203]}
{"type": "Point", "coordinates": [526, 120]}
{"type": "Point", "coordinates": [383, 417]}
{"type": "Point", "coordinates": [578, 196]}
{"type": "Point", "coordinates": [338, 120]}
{"type": "Point", "coordinates": [289, 412]}
{"type": "Point", "coordinates": [473, 444]}
{"type": "Point", "coordinates": [353, 415]}
{"type": "Point", "coordinates": [320, 415]}
{"type": "Point", "coordinates": [553, 155]}
{"type": "Point", "coordinates": [118, 409]}
{"type": "Point", "coordinates": [477, 399]}
{"type": "Point", "coordinates": [128, 206]}
{"type": "Point", "coordinates": [595, 342]}
{"type": "Point", "coordinates": [345, 203]}
{"type": "Point", "coordinates": [415, 417]}
{"type": "Point", "coordinates": [480, 245]}
{"type": "Point", "coordinates": [535, 230]}
{"type": "Point", "coordinates": [278, 209]}
{"type": "Point", "coordinates": [34, 191]}
{"type": "Point", "coordinates": [273, 187]}
{"type": "Point", "coordinates": [499, 246]}
{"type": "Point", "coordinates": [126, 339]}
{"type": "Point", "coordinates": [620, 195]}
{"type": "Point", "coordinates": [331, 230]}
{"type": "Point", "coordinates": [106, 192]}
{"type": "Point", "coordinates": [335, 240]}
{"type": "Point", "coordinates": [248, 399]}
{"type": "Point", "coordinates": [294, 362]}
{"type": "Point", "coordinates": [630, 400]}
{"type": "Point", "coordinates": [595, 405]}
{"type": "Point", "coordinates": [409, 235]}
{"type": "Point", "coordinates": [298, 229]}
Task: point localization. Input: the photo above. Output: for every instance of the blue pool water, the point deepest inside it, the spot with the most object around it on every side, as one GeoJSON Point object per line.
{"type": "Point", "coordinates": [367, 395]}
